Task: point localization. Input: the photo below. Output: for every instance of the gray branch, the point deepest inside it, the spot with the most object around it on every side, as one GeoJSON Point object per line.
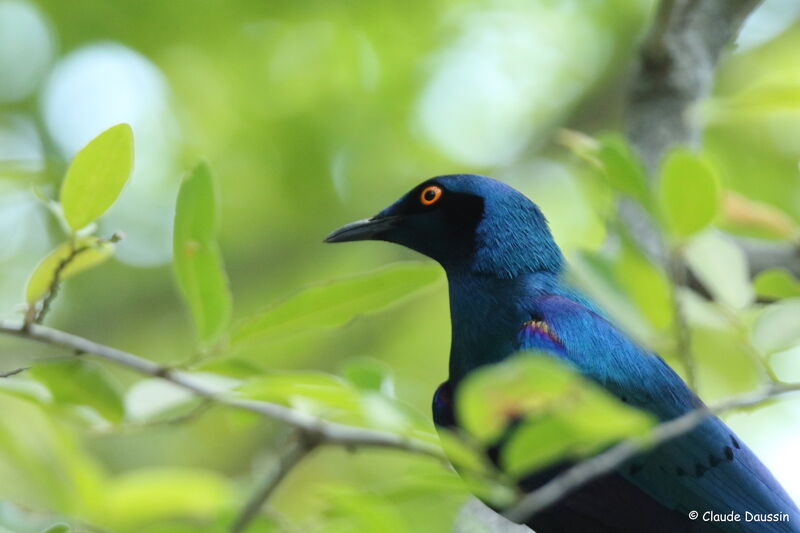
{"type": "Point", "coordinates": [312, 427]}
{"type": "Point", "coordinates": [475, 517]}
{"type": "Point", "coordinates": [296, 452]}
{"type": "Point", "coordinates": [9, 373]}
{"type": "Point", "coordinates": [676, 69]}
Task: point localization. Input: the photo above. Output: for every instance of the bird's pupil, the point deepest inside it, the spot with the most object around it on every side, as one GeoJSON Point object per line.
{"type": "Point", "coordinates": [430, 194]}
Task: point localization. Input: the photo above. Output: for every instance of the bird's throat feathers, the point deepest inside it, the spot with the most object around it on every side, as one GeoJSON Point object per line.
{"type": "Point", "coordinates": [487, 316]}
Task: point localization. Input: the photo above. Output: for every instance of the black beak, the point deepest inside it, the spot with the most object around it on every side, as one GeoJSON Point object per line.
{"type": "Point", "coordinates": [364, 230]}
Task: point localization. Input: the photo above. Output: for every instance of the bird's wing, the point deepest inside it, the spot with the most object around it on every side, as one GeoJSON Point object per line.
{"type": "Point", "coordinates": [708, 469]}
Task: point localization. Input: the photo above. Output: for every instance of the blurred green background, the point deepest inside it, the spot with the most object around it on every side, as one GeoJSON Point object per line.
{"type": "Point", "coordinates": [315, 113]}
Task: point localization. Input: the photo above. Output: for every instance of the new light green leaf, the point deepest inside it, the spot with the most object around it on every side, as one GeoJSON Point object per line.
{"type": "Point", "coordinates": [197, 261]}
{"type": "Point", "coordinates": [777, 283]}
{"type": "Point", "coordinates": [369, 374]}
{"type": "Point", "coordinates": [721, 266]}
{"type": "Point", "coordinates": [491, 397]}
{"type": "Point", "coordinates": [57, 528]}
{"type": "Point", "coordinates": [562, 414]}
{"type": "Point", "coordinates": [647, 286]}
{"type": "Point", "coordinates": [778, 327]}
{"type": "Point", "coordinates": [78, 382]}
{"type": "Point", "coordinates": [313, 392]}
{"type": "Point", "coordinates": [96, 176]}
{"type": "Point", "coordinates": [778, 96]}
{"type": "Point", "coordinates": [574, 430]}
{"type": "Point", "coordinates": [622, 170]}
{"type": "Point", "coordinates": [68, 260]}
{"type": "Point", "coordinates": [689, 192]}
{"type": "Point", "coordinates": [153, 495]}
{"type": "Point", "coordinates": [462, 454]}
{"type": "Point", "coordinates": [336, 303]}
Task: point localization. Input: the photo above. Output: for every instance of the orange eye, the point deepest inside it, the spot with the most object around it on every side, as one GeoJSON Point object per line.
{"type": "Point", "coordinates": [430, 195]}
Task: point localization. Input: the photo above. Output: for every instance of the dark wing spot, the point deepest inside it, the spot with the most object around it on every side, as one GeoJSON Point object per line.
{"type": "Point", "coordinates": [713, 460]}
{"type": "Point", "coordinates": [680, 471]}
{"type": "Point", "coordinates": [728, 453]}
{"type": "Point", "coordinates": [699, 470]}
{"type": "Point", "coordinates": [735, 442]}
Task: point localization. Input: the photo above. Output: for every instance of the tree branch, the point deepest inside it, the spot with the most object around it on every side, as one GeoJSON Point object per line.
{"type": "Point", "coordinates": [9, 373]}
{"type": "Point", "coordinates": [608, 461]}
{"type": "Point", "coordinates": [296, 452]}
{"type": "Point", "coordinates": [476, 512]}
{"type": "Point", "coordinates": [676, 69]}
{"type": "Point", "coordinates": [323, 431]}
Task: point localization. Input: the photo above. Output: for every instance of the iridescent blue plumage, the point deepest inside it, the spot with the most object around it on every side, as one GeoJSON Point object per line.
{"type": "Point", "coordinates": [508, 293]}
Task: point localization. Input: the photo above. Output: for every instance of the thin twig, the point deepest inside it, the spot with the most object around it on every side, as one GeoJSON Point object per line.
{"type": "Point", "coordinates": [52, 290]}
{"type": "Point", "coordinates": [762, 364]}
{"type": "Point", "coordinates": [608, 461]}
{"type": "Point", "coordinates": [683, 334]}
{"type": "Point", "coordinates": [329, 433]}
{"type": "Point", "coordinates": [9, 373]}
{"type": "Point", "coordinates": [296, 452]}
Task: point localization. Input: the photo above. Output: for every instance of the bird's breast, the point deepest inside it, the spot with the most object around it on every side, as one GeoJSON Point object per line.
{"type": "Point", "coordinates": [485, 324]}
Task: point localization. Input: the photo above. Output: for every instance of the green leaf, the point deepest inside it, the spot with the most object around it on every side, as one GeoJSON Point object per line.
{"type": "Point", "coordinates": [492, 397]}
{"type": "Point", "coordinates": [312, 392]}
{"type": "Point", "coordinates": [197, 260]}
{"type": "Point", "coordinates": [78, 382]}
{"type": "Point", "coordinates": [382, 412]}
{"type": "Point", "coordinates": [598, 276]}
{"type": "Point", "coordinates": [778, 96]}
{"type": "Point", "coordinates": [689, 192]}
{"type": "Point", "coordinates": [25, 389]}
{"type": "Point", "coordinates": [562, 415]}
{"type": "Point", "coordinates": [778, 327]}
{"type": "Point", "coordinates": [145, 496]}
{"type": "Point", "coordinates": [96, 176]}
{"type": "Point", "coordinates": [463, 454]}
{"type": "Point", "coordinates": [57, 528]}
{"type": "Point", "coordinates": [647, 286]}
{"type": "Point", "coordinates": [721, 266]}
{"type": "Point", "coordinates": [369, 374]}
{"type": "Point", "coordinates": [336, 303]}
{"type": "Point", "coordinates": [623, 170]}
{"type": "Point", "coordinates": [230, 366]}
{"type": "Point", "coordinates": [366, 511]}
{"type": "Point", "coordinates": [574, 431]}
{"type": "Point", "coordinates": [68, 259]}
{"type": "Point", "coordinates": [777, 283]}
